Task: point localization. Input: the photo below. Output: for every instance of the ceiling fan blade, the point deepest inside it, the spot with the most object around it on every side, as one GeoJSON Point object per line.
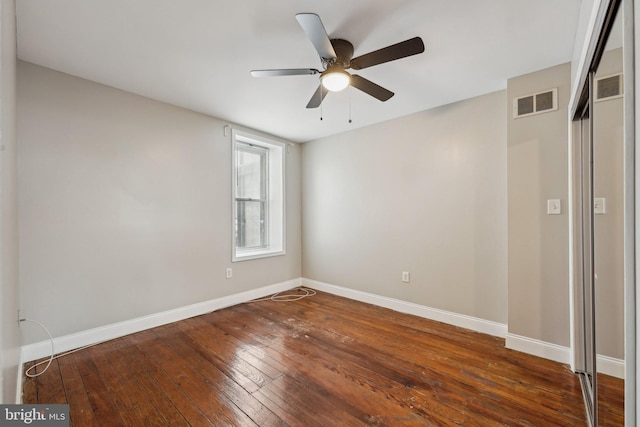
{"type": "Point", "coordinates": [369, 87]}
{"type": "Point", "coordinates": [400, 50]}
{"type": "Point", "coordinates": [284, 72]}
{"type": "Point", "coordinates": [317, 97]}
{"type": "Point", "coordinates": [312, 25]}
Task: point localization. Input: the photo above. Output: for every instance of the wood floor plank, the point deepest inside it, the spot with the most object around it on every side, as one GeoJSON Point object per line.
{"type": "Point", "coordinates": [253, 352]}
{"type": "Point", "coordinates": [208, 367]}
{"type": "Point", "coordinates": [222, 350]}
{"type": "Point", "coordinates": [105, 410]}
{"type": "Point", "coordinates": [344, 370]}
{"type": "Point", "coordinates": [367, 383]}
{"type": "Point", "coordinates": [167, 350]}
{"type": "Point", "coordinates": [143, 386]}
{"type": "Point", "coordinates": [29, 385]}
{"type": "Point", "coordinates": [50, 387]}
{"type": "Point", "coordinates": [320, 361]}
{"type": "Point", "coordinates": [123, 398]}
{"type": "Point", "coordinates": [369, 333]}
{"type": "Point", "coordinates": [611, 399]}
{"type": "Point", "coordinates": [80, 409]}
{"type": "Point", "coordinates": [304, 403]}
{"type": "Point", "coordinates": [136, 350]}
{"type": "Point", "coordinates": [389, 362]}
{"type": "Point", "coordinates": [121, 380]}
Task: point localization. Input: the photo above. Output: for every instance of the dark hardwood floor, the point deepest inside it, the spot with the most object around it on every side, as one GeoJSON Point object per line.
{"type": "Point", "coordinates": [321, 361]}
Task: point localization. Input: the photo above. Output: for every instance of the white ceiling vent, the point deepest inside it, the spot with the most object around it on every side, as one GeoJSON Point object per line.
{"type": "Point", "coordinates": [609, 87]}
{"type": "Point", "coordinates": [535, 103]}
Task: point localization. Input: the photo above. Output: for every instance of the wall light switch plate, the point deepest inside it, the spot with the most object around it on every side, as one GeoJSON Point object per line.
{"type": "Point", "coordinates": [406, 278]}
{"type": "Point", "coordinates": [599, 206]}
{"type": "Point", "coordinates": [554, 207]}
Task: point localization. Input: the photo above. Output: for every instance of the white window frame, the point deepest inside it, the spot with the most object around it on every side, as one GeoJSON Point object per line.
{"type": "Point", "coordinates": [275, 198]}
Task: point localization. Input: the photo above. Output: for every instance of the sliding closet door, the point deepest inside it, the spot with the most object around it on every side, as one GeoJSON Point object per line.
{"type": "Point", "coordinates": [598, 182]}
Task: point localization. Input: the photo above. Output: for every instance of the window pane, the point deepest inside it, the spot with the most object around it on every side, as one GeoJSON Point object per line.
{"type": "Point", "coordinates": [250, 225]}
{"type": "Point", "coordinates": [251, 172]}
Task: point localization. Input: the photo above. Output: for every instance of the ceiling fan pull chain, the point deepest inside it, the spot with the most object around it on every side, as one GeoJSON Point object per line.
{"type": "Point", "coordinates": [321, 90]}
{"type": "Point", "coordinates": [349, 106]}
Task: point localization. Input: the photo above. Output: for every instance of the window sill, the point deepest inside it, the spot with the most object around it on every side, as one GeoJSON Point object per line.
{"type": "Point", "coordinates": [256, 254]}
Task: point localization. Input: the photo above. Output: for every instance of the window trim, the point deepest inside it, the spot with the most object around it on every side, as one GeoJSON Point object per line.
{"type": "Point", "coordinates": [275, 215]}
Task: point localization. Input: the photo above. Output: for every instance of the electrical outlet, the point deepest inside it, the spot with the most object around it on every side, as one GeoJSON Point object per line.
{"type": "Point", "coordinates": [229, 273]}
{"type": "Point", "coordinates": [406, 278]}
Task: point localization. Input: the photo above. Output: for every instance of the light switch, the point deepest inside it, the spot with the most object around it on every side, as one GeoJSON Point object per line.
{"type": "Point", "coordinates": [599, 206]}
{"type": "Point", "coordinates": [554, 207]}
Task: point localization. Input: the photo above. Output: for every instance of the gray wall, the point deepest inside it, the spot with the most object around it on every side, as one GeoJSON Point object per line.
{"type": "Point", "coordinates": [538, 243]}
{"type": "Point", "coordinates": [9, 333]}
{"type": "Point", "coordinates": [426, 194]}
{"type": "Point", "coordinates": [125, 206]}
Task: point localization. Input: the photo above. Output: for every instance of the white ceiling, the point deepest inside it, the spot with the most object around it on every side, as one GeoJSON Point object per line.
{"type": "Point", "coordinates": [197, 54]}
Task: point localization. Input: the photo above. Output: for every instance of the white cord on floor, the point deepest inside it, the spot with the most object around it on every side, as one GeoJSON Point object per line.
{"type": "Point", "coordinates": [53, 355]}
{"type": "Point", "coordinates": [48, 362]}
{"type": "Point", "coordinates": [284, 296]}
{"type": "Point", "coordinates": [288, 296]}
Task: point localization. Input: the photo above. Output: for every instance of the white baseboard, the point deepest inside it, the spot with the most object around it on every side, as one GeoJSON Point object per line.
{"type": "Point", "coordinates": [610, 366]}
{"type": "Point", "coordinates": [539, 348]}
{"type": "Point", "coordinates": [461, 320]}
{"type": "Point", "coordinates": [92, 336]}
{"type": "Point", "coordinates": [606, 365]}
{"type": "Point", "coordinates": [19, 383]}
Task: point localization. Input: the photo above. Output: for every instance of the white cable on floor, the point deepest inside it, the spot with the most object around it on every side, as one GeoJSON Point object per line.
{"type": "Point", "coordinates": [53, 355]}
{"type": "Point", "coordinates": [287, 296]}
{"type": "Point", "coordinates": [48, 362]}
{"type": "Point", "coordinates": [283, 296]}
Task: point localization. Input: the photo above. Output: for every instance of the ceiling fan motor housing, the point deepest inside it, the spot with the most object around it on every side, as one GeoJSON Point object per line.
{"type": "Point", "coordinates": [344, 53]}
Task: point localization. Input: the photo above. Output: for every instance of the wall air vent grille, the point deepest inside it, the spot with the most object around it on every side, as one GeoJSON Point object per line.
{"type": "Point", "coordinates": [535, 103]}
{"type": "Point", "coordinates": [608, 87]}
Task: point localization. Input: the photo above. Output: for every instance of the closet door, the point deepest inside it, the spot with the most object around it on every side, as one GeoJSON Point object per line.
{"type": "Point", "coordinates": [598, 183]}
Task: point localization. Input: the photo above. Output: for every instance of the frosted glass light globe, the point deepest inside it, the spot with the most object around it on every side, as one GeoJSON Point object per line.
{"type": "Point", "coordinates": [336, 80]}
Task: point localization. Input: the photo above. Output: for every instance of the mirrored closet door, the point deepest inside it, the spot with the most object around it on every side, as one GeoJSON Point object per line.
{"type": "Point", "coordinates": [598, 177]}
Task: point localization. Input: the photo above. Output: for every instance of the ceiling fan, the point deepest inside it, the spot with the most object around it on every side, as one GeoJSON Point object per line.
{"type": "Point", "coordinates": [336, 56]}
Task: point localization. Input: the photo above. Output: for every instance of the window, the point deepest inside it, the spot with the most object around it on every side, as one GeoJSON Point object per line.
{"type": "Point", "coordinates": [258, 192]}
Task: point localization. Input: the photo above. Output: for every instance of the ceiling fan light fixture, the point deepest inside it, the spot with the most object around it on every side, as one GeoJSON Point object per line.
{"type": "Point", "coordinates": [336, 56]}
{"type": "Point", "coordinates": [335, 80]}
